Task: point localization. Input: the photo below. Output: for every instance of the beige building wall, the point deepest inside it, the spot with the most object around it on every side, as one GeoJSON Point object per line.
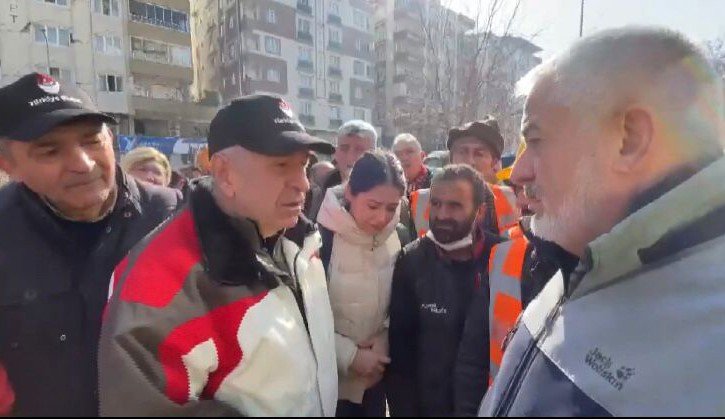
{"type": "Point", "coordinates": [78, 62]}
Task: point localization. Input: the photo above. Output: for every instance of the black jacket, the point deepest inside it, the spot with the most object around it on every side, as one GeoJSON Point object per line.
{"type": "Point", "coordinates": [54, 288]}
{"type": "Point", "coordinates": [428, 308]}
{"type": "Point", "coordinates": [541, 261]}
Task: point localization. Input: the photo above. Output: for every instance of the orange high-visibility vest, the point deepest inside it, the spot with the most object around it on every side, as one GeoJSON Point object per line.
{"type": "Point", "coordinates": [504, 200]}
{"type": "Point", "coordinates": [514, 232]}
{"type": "Point", "coordinates": [420, 210]}
{"type": "Point", "coordinates": [504, 269]}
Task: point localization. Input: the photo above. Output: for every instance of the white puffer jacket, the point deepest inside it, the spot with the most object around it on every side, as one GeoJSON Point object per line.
{"type": "Point", "coordinates": [360, 275]}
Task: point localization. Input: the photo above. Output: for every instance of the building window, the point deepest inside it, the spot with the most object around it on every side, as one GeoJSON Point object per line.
{"type": "Point", "coordinates": [231, 23]}
{"type": "Point", "coordinates": [335, 36]}
{"type": "Point", "coordinates": [335, 87]}
{"type": "Point", "coordinates": [272, 45]}
{"type": "Point", "coordinates": [306, 108]}
{"type": "Point", "coordinates": [358, 93]}
{"type": "Point", "coordinates": [62, 74]}
{"type": "Point", "coordinates": [253, 43]}
{"type": "Point", "coordinates": [303, 26]}
{"type": "Point", "coordinates": [107, 44]}
{"type": "Point", "coordinates": [159, 52]}
{"type": "Point", "coordinates": [370, 72]}
{"type": "Point", "coordinates": [359, 68]}
{"type": "Point", "coordinates": [335, 7]}
{"type": "Point", "coordinates": [362, 46]}
{"type": "Point", "coordinates": [273, 75]}
{"type": "Point", "coordinates": [106, 7]}
{"type": "Point", "coordinates": [59, 37]}
{"type": "Point", "coordinates": [334, 61]}
{"type": "Point", "coordinates": [306, 81]}
{"type": "Point", "coordinates": [159, 16]}
{"type": "Point", "coordinates": [335, 112]}
{"type": "Point", "coordinates": [272, 16]}
{"type": "Point", "coordinates": [305, 54]}
{"type": "Point", "coordinates": [234, 79]}
{"type": "Point", "coordinates": [56, 2]}
{"type": "Point", "coordinates": [359, 114]}
{"type": "Point", "coordinates": [360, 20]}
{"type": "Point", "coordinates": [110, 83]}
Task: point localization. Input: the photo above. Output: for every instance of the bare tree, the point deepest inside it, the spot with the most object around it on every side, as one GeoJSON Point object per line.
{"type": "Point", "coordinates": [467, 70]}
{"type": "Point", "coordinates": [715, 50]}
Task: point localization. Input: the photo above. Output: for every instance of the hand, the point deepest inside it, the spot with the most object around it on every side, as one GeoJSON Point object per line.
{"type": "Point", "coordinates": [378, 344]}
{"type": "Point", "coordinates": [368, 363]}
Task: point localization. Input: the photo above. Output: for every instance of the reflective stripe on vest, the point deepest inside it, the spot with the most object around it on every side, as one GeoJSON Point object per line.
{"type": "Point", "coordinates": [420, 210]}
{"type": "Point", "coordinates": [505, 269]}
{"type": "Point", "coordinates": [504, 201]}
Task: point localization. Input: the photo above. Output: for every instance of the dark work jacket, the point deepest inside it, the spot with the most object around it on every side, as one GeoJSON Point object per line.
{"type": "Point", "coordinates": [53, 290]}
{"type": "Point", "coordinates": [428, 308]}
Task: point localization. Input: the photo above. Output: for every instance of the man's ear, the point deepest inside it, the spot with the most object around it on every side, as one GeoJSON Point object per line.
{"type": "Point", "coordinates": [7, 164]}
{"type": "Point", "coordinates": [637, 136]}
{"type": "Point", "coordinates": [221, 170]}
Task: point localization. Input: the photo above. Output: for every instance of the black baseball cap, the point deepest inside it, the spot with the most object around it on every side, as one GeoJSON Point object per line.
{"type": "Point", "coordinates": [36, 103]}
{"type": "Point", "coordinates": [485, 130]}
{"type": "Point", "coordinates": [263, 124]}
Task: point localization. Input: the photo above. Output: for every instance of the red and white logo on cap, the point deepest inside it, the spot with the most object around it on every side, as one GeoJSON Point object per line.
{"type": "Point", "coordinates": [284, 107]}
{"type": "Point", "coordinates": [48, 84]}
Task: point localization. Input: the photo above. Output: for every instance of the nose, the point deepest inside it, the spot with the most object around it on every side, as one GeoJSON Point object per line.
{"type": "Point", "coordinates": [78, 160]}
{"type": "Point", "coordinates": [522, 172]}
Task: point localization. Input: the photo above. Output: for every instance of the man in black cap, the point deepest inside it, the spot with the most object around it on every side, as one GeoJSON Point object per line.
{"type": "Point", "coordinates": [224, 310]}
{"type": "Point", "coordinates": [69, 218]}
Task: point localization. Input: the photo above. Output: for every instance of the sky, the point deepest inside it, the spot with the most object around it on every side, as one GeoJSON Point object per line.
{"type": "Point", "coordinates": [554, 24]}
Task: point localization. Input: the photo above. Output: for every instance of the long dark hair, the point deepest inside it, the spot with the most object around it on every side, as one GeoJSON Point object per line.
{"type": "Point", "coordinates": [376, 168]}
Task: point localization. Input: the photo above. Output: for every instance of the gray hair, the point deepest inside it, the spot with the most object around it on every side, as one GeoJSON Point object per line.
{"type": "Point", "coordinates": [601, 74]}
{"type": "Point", "coordinates": [360, 128]}
{"type": "Point", "coordinates": [407, 139]}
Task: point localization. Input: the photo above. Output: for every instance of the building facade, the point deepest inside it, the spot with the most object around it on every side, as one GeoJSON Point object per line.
{"type": "Point", "coordinates": [317, 54]}
{"type": "Point", "coordinates": [132, 57]}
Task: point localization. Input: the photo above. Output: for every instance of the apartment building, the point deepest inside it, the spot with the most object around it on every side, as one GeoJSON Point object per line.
{"type": "Point", "coordinates": [76, 41]}
{"type": "Point", "coordinates": [404, 31]}
{"type": "Point", "coordinates": [317, 54]}
{"type": "Point", "coordinates": [160, 67]}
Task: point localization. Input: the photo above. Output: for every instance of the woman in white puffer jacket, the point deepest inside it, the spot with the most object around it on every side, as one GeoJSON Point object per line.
{"type": "Point", "coordinates": [361, 236]}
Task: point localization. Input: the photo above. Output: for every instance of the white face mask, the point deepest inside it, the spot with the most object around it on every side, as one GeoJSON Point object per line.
{"type": "Point", "coordinates": [448, 247]}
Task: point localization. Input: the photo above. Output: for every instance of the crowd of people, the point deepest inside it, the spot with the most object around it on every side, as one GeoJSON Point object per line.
{"type": "Point", "coordinates": [290, 276]}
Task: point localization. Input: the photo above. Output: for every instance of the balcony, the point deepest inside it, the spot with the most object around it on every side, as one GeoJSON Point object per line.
{"type": "Point", "coordinates": [307, 120]}
{"type": "Point", "coordinates": [304, 8]}
{"type": "Point", "coordinates": [305, 37]}
{"type": "Point", "coordinates": [335, 46]}
{"type": "Point", "coordinates": [335, 123]}
{"type": "Point", "coordinates": [160, 108]}
{"type": "Point", "coordinates": [334, 19]}
{"type": "Point", "coordinates": [306, 66]}
{"type": "Point", "coordinates": [181, 26]}
{"type": "Point", "coordinates": [408, 37]}
{"type": "Point", "coordinates": [334, 72]}
{"type": "Point", "coordinates": [399, 78]}
{"type": "Point", "coordinates": [335, 98]}
{"type": "Point", "coordinates": [306, 92]}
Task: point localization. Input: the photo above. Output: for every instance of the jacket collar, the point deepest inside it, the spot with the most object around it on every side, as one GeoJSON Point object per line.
{"type": "Point", "coordinates": [620, 252]}
{"type": "Point", "coordinates": [232, 248]}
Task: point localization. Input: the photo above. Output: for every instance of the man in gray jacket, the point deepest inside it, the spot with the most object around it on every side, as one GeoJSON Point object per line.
{"type": "Point", "coordinates": [624, 170]}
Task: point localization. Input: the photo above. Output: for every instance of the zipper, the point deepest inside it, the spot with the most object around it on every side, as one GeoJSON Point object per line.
{"type": "Point", "coordinates": [514, 384]}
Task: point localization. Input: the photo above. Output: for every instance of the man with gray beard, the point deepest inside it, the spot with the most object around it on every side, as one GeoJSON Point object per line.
{"type": "Point", "coordinates": [623, 168]}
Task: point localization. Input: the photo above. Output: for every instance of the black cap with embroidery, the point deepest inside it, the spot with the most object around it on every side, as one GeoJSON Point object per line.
{"type": "Point", "coordinates": [262, 124]}
{"type": "Point", "coordinates": [36, 103]}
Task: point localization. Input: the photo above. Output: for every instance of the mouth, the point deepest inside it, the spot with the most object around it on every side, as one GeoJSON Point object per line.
{"type": "Point", "coordinates": [83, 183]}
{"type": "Point", "coordinates": [294, 206]}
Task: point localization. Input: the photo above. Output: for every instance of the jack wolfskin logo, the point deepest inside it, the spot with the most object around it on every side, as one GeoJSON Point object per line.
{"type": "Point", "coordinates": [433, 308]}
{"type": "Point", "coordinates": [602, 365]}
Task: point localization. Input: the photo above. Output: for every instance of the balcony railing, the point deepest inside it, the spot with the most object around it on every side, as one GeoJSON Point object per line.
{"type": "Point", "coordinates": [306, 92]}
{"type": "Point", "coordinates": [304, 8]}
{"type": "Point", "coordinates": [335, 98]}
{"type": "Point", "coordinates": [180, 26]}
{"type": "Point", "coordinates": [306, 66]}
{"type": "Point", "coordinates": [334, 19]}
{"type": "Point", "coordinates": [334, 71]}
{"type": "Point", "coordinates": [335, 46]}
{"type": "Point", "coordinates": [304, 36]}
{"type": "Point", "coordinates": [335, 123]}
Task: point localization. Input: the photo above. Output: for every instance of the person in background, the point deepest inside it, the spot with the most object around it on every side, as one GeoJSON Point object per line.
{"type": "Point", "coordinates": [67, 219]}
{"type": "Point", "coordinates": [361, 237]}
{"type": "Point", "coordinates": [202, 163]}
{"type": "Point", "coordinates": [320, 171]}
{"type": "Point", "coordinates": [436, 278]}
{"type": "Point", "coordinates": [354, 138]}
{"type": "Point", "coordinates": [224, 310]}
{"type": "Point", "coordinates": [317, 174]}
{"type": "Point", "coordinates": [147, 164]}
{"type": "Point", "coordinates": [408, 150]}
